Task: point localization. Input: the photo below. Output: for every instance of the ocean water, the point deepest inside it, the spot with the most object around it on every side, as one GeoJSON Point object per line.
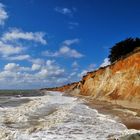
{"type": "Point", "coordinates": [55, 117]}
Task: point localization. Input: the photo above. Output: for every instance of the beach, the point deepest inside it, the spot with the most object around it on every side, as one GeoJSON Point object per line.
{"type": "Point", "coordinates": [128, 116]}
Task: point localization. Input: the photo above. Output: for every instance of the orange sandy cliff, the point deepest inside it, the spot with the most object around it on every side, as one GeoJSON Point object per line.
{"type": "Point", "coordinates": [63, 88]}
{"type": "Point", "coordinates": [118, 83]}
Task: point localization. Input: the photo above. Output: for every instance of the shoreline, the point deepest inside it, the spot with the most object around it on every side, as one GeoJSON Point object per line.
{"type": "Point", "coordinates": [127, 116]}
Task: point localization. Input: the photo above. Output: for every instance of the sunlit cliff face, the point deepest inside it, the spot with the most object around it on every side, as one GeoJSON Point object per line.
{"type": "Point", "coordinates": [119, 81]}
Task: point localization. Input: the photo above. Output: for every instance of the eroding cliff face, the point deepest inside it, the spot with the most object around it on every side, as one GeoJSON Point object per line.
{"type": "Point", "coordinates": [64, 88]}
{"type": "Point", "coordinates": [118, 83]}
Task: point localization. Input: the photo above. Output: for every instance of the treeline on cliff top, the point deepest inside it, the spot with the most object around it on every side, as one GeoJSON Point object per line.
{"type": "Point", "coordinates": [123, 48]}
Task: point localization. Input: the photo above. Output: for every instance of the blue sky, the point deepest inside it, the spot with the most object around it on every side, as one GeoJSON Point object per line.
{"type": "Point", "coordinates": [46, 43]}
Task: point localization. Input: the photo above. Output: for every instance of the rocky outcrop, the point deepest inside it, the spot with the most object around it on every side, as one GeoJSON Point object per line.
{"type": "Point", "coordinates": [118, 83]}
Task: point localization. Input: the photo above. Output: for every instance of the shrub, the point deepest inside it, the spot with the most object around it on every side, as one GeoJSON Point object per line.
{"type": "Point", "coordinates": [123, 48]}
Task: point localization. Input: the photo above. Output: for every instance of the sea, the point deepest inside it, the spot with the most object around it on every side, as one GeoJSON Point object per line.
{"type": "Point", "coordinates": [55, 116]}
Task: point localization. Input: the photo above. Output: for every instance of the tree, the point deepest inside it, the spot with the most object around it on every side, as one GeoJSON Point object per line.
{"type": "Point", "coordinates": [123, 48]}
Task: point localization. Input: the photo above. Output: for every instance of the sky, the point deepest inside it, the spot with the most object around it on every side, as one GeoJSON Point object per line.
{"type": "Point", "coordinates": [48, 43]}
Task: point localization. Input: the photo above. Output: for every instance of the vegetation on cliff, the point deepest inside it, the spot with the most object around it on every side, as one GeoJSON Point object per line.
{"type": "Point", "coordinates": [123, 48]}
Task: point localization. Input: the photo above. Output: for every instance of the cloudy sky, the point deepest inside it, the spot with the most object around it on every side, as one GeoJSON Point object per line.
{"type": "Point", "coordinates": [46, 43]}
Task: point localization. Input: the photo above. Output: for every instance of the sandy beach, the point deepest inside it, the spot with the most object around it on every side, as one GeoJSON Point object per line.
{"type": "Point", "coordinates": [129, 117]}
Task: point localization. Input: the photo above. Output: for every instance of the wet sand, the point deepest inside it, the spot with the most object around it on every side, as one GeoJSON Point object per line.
{"type": "Point", "coordinates": [129, 117]}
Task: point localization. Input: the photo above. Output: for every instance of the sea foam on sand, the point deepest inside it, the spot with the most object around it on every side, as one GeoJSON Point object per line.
{"type": "Point", "coordinates": [57, 117]}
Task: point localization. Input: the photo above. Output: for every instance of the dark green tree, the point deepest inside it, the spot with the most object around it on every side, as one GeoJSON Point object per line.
{"type": "Point", "coordinates": [123, 48]}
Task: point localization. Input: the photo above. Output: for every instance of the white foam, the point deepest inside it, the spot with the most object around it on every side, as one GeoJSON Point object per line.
{"type": "Point", "coordinates": [57, 117]}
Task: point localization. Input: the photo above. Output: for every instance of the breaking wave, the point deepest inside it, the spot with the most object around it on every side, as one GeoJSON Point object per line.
{"type": "Point", "coordinates": [57, 117]}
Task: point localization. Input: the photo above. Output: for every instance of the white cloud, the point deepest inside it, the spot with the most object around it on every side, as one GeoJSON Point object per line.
{"type": "Point", "coordinates": [50, 62]}
{"type": "Point", "coordinates": [16, 34]}
{"type": "Point", "coordinates": [3, 14]}
{"type": "Point", "coordinates": [105, 63]}
{"type": "Point", "coordinates": [9, 49]}
{"type": "Point", "coordinates": [54, 69]}
{"type": "Point", "coordinates": [51, 69]}
{"type": "Point", "coordinates": [71, 42]}
{"type": "Point", "coordinates": [36, 76]}
{"type": "Point", "coordinates": [37, 61]}
{"type": "Point", "coordinates": [43, 73]}
{"type": "Point", "coordinates": [19, 57]}
{"type": "Point", "coordinates": [6, 75]}
{"type": "Point", "coordinates": [64, 11]}
{"type": "Point", "coordinates": [69, 52]}
{"type": "Point", "coordinates": [36, 67]}
{"type": "Point", "coordinates": [11, 67]}
{"type": "Point", "coordinates": [64, 51]}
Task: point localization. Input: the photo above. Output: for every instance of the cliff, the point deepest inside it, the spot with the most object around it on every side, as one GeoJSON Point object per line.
{"type": "Point", "coordinates": [118, 83]}
{"type": "Point", "coordinates": [65, 88]}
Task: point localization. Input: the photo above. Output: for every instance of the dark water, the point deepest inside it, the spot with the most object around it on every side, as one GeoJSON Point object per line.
{"type": "Point", "coordinates": [12, 101]}
{"type": "Point", "coordinates": [13, 98]}
{"type": "Point", "coordinates": [20, 93]}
